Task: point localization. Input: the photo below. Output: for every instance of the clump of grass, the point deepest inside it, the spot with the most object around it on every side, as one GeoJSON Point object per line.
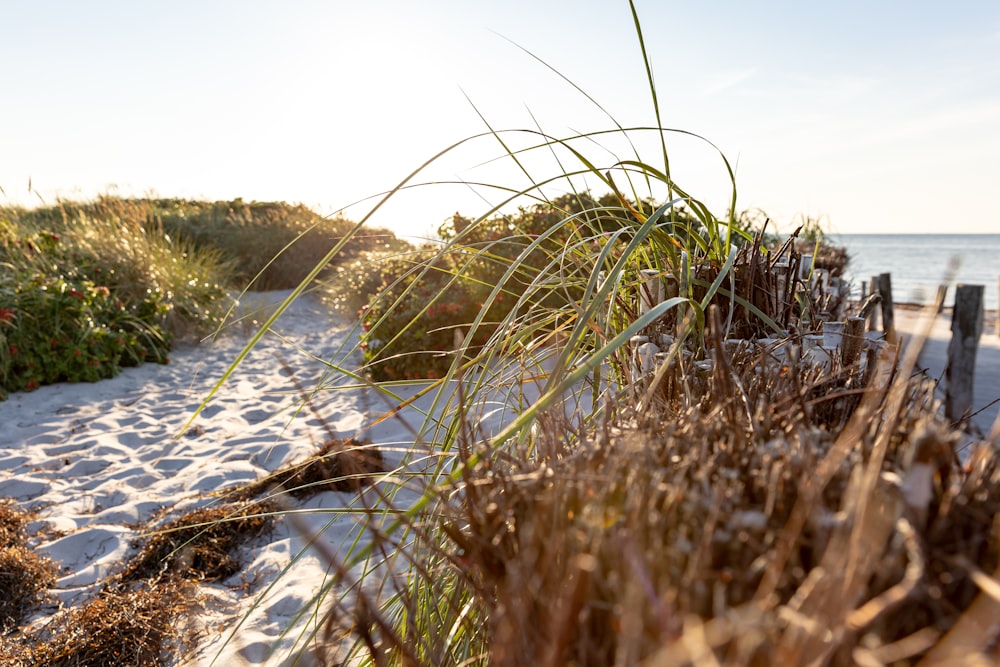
{"type": "Point", "coordinates": [700, 526]}
{"type": "Point", "coordinates": [710, 507]}
{"type": "Point", "coordinates": [137, 617]}
{"type": "Point", "coordinates": [140, 614]}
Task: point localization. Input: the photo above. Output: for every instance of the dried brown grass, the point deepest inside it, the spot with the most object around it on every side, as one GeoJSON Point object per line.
{"type": "Point", "coordinates": [751, 517]}
{"type": "Point", "coordinates": [198, 545]}
{"type": "Point", "coordinates": [138, 615]}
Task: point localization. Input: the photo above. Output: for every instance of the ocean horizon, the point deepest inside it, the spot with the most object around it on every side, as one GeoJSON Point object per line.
{"type": "Point", "coordinates": [919, 263]}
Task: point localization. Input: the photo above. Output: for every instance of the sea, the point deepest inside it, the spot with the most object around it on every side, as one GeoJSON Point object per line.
{"type": "Point", "coordinates": [919, 263]}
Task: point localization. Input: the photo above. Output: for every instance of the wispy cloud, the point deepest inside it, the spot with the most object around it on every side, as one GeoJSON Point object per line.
{"type": "Point", "coordinates": [726, 80]}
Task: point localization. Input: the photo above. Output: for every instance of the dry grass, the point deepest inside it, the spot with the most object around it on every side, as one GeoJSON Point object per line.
{"type": "Point", "coordinates": [644, 541]}
{"type": "Point", "coordinates": [137, 618]}
{"type": "Point", "coordinates": [756, 514]}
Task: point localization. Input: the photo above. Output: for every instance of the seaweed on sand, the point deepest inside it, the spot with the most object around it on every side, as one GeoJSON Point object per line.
{"type": "Point", "coordinates": [24, 575]}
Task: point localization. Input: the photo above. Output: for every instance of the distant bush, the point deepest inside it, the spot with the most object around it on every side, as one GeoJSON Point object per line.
{"type": "Point", "coordinates": [412, 322]}
{"type": "Point", "coordinates": [273, 244]}
{"type": "Point", "coordinates": [81, 297]}
{"type": "Point", "coordinates": [418, 301]}
{"type": "Point", "coordinates": [90, 287]}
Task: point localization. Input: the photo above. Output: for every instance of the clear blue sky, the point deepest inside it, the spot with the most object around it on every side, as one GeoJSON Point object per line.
{"type": "Point", "coordinates": [883, 116]}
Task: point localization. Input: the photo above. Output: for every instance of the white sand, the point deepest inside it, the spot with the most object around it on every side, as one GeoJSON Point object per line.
{"type": "Point", "coordinates": [95, 459]}
{"type": "Point", "coordinates": [98, 458]}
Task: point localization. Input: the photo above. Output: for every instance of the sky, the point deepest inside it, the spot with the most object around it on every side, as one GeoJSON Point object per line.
{"type": "Point", "coordinates": [875, 116]}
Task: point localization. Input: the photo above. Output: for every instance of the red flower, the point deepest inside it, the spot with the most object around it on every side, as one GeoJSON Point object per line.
{"type": "Point", "coordinates": [12, 350]}
{"type": "Point", "coordinates": [6, 315]}
{"type": "Point", "coordinates": [32, 384]}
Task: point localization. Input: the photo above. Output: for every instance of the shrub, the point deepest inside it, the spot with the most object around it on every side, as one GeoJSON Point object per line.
{"type": "Point", "coordinates": [421, 300]}
{"type": "Point", "coordinates": [273, 244]}
{"type": "Point", "coordinates": [54, 330]}
{"type": "Point", "coordinates": [411, 324]}
{"type": "Point", "coordinates": [83, 297]}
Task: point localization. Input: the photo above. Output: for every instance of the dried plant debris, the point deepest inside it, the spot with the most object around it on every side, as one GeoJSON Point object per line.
{"type": "Point", "coordinates": [137, 626]}
{"type": "Point", "coordinates": [136, 618]}
{"type": "Point", "coordinates": [12, 522]}
{"type": "Point", "coordinates": [198, 545]}
{"type": "Point", "coordinates": [24, 575]}
{"type": "Point", "coordinates": [339, 465]}
{"type": "Point", "coordinates": [711, 537]}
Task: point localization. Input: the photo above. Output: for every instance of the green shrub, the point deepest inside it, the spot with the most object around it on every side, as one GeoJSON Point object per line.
{"type": "Point", "coordinates": [82, 297]}
{"type": "Point", "coordinates": [56, 330]}
{"type": "Point", "coordinates": [421, 300]}
{"type": "Point", "coordinates": [411, 324]}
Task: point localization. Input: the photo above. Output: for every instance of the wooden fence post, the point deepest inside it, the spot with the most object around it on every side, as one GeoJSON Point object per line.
{"type": "Point", "coordinates": [853, 341]}
{"type": "Point", "coordinates": [888, 320]}
{"type": "Point", "coordinates": [942, 293]}
{"type": "Point", "coordinates": [966, 327]}
{"type": "Point", "coordinates": [873, 315]}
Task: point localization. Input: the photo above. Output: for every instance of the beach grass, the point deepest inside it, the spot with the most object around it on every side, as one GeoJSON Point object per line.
{"type": "Point", "coordinates": [626, 457]}
{"type": "Point", "coordinates": [712, 507]}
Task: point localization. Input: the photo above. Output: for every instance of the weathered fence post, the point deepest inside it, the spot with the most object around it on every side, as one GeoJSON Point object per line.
{"type": "Point", "coordinates": [888, 320]}
{"type": "Point", "coordinates": [651, 291]}
{"type": "Point", "coordinates": [873, 315]}
{"type": "Point", "coordinates": [942, 293]}
{"type": "Point", "coordinates": [853, 341]}
{"type": "Point", "coordinates": [966, 326]}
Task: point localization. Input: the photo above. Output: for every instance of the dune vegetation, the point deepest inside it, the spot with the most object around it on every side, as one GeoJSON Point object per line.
{"type": "Point", "coordinates": [91, 287]}
{"type": "Point", "coordinates": [689, 472]}
{"type": "Point", "coordinates": [692, 472]}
